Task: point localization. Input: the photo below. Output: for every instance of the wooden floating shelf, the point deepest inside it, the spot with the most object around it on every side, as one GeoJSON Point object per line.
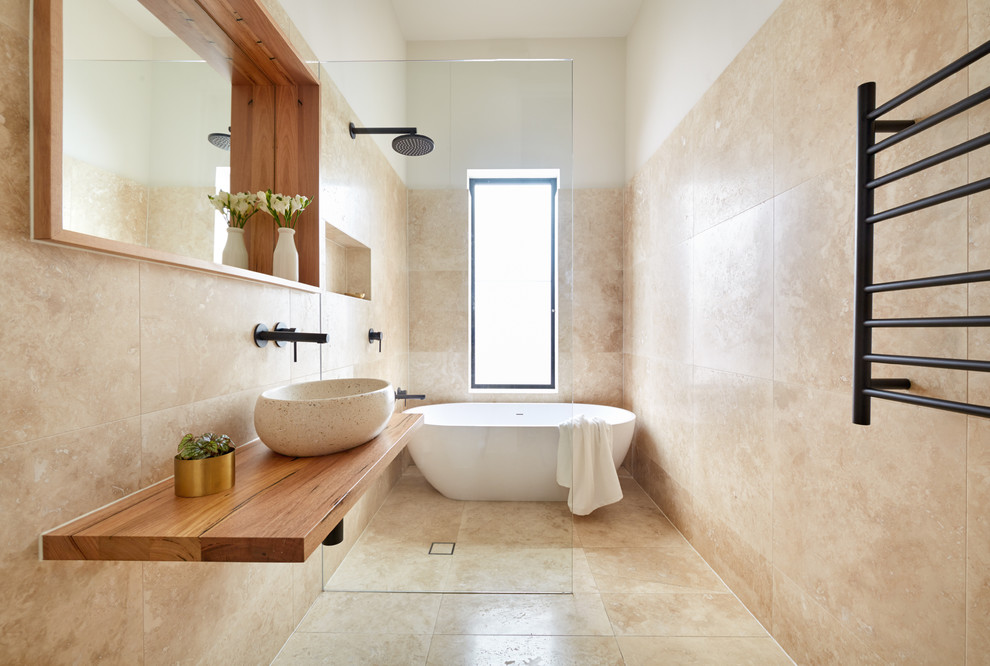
{"type": "Point", "coordinates": [279, 510]}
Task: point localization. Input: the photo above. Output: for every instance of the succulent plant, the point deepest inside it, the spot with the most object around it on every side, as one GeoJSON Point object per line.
{"type": "Point", "coordinates": [207, 445]}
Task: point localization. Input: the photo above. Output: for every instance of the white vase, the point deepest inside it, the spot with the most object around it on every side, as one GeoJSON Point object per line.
{"type": "Point", "coordinates": [235, 252]}
{"type": "Point", "coordinates": [285, 261]}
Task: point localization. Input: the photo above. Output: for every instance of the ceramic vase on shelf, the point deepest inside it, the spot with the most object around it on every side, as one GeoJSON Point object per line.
{"type": "Point", "coordinates": [285, 261]}
{"type": "Point", "coordinates": [235, 252]}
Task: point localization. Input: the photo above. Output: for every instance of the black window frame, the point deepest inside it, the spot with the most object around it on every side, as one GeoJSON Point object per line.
{"type": "Point", "coordinates": [517, 180]}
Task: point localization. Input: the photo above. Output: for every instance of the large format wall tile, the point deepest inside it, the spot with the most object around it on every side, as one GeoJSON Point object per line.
{"type": "Point", "coordinates": [184, 309]}
{"type": "Point", "coordinates": [77, 307]}
{"type": "Point", "coordinates": [823, 49]}
{"type": "Point", "coordinates": [847, 524]}
{"type": "Point", "coordinates": [733, 480]}
{"type": "Point", "coordinates": [978, 540]}
{"type": "Point", "coordinates": [15, 118]}
{"type": "Point", "coordinates": [71, 613]}
{"type": "Point", "coordinates": [207, 612]}
{"type": "Point", "coordinates": [813, 281]}
{"type": "Point", "coordinates": [733, 139]}
{"type": "Point", "coordinates": [53, 480]}
{"type": "Point", "coordinates": [732, 283]}
{"type": "Point", "coordinates": [809, 634]}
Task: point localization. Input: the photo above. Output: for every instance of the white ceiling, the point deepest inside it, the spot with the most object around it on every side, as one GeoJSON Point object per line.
{"type": "Point", "coordinates": [429, 20]}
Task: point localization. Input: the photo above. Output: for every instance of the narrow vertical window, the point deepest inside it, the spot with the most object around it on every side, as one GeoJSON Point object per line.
{"type": "Point", "coordinates": [513, 283]}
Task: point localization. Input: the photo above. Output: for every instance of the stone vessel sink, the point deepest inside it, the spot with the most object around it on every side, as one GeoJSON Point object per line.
{"type": "Point", "coordinates": [328, 416]}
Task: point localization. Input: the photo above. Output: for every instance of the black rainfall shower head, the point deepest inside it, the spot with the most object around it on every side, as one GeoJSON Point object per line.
{"type": "Point", "coordinates": [220, 140]}
{"type": "Point", "coordinates": [409, 143]}
{"type": "Point", "coordinates": [412, 145]}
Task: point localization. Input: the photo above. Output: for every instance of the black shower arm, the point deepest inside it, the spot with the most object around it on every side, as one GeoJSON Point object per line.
{"type": "Point", "coordinates": [380, 130]}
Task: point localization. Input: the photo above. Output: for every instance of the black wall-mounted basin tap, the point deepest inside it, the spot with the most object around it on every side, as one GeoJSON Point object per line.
{"type": "Point", "coordinates": [400, 394]}
{"type": "Point", "coordinates": [281, 335]}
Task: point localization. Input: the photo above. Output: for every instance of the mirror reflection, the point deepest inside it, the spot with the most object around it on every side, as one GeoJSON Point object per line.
{"type": "Point", "coordinates": [138, 108]}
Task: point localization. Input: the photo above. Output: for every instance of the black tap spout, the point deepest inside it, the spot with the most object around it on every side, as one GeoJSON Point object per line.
{"type": "Point", "coordinates": [282, 334]}
{"type": "Point", "coordinates": [400, 394]}
{"type": "Point", "coordinates": [291, 335]}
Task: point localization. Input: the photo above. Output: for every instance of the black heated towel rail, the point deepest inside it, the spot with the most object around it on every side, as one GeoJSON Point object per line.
{"type": "Point", "coordinates": [871, 123]}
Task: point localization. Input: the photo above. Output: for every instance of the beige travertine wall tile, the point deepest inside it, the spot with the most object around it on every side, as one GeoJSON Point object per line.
{"type": "Point", "coordinates": [80, 307]}
{"type": "Point", "coordinates": [746, 570]}
{"type": "Point", "coordinates": [15, 15]}
{"type": "Point", "coordinates": [50, 481]}
{"type": "Point", "coordinates": [222, 612]}
{"type": "Point", "coordinates": [71, 612]}
{"type": "Point", "coordinates": [847, 528]}
{"type": "Point", "coordinates": [307, 584]}
{"type": "Point", "coordinates": [173, 305]}
{"type": "Point", "coordinates": [598, 378]}
{"type": "Point", "coordinates": [978, 541]}
{"type": "Point", "coordinates": [733, 477]}
{"type": "Point", "coordinates": [638, 214]}
{"type": "Point", "coordinates": [15, 170]}
{"type": "Point", "coordinates": [597, 312]}
{"type": "Point", "coordinates": [823, 49]}
{"type": "Point", "coordinates": [438, 230]}
{"type": "Point", "coordinates": [336, 268]}
{"type": "Point", "coordinates": [231, 414]}
{"type": "Point", "coordinates": [813, 281]}
{"type": "Point", "coordinates": [438, 311]}
{"type": "Point", "coordinates": [304, 315]}
{"type": "Point", "coordinates": [598, 230]}
{"type": "Point", "coordinates": [809, 634]}
{"type": "Point", "coordinates": [733, 138]}
{"type": "Point", "coordinates": [732, 285]}
{"type": "Point", "coordinates": [667, 329]}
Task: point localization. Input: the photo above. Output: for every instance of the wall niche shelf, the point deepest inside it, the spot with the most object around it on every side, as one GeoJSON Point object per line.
{"type": "Point", "coordinates": [279, 510]}
{"type": "Point", "coordinates": [348, 265]}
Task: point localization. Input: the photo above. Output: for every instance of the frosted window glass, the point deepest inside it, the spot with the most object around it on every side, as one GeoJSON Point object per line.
{"type": "Point", "coordinates": [513, 283]}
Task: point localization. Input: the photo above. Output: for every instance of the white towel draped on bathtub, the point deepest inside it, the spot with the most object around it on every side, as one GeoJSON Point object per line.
{"type": "Point", "coordinates": [584, 464]}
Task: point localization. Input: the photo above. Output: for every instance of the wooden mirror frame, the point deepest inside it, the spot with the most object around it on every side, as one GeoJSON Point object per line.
{"type": "Point", "coordinates": [275, 114]}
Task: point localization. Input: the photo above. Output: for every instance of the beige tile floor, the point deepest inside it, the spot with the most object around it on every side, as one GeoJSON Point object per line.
{"type": "Point", "coordinates": [632, 591]}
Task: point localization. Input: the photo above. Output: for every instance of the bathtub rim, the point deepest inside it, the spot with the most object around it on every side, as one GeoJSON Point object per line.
{"type": "Point", "coordinates": [623, 416]}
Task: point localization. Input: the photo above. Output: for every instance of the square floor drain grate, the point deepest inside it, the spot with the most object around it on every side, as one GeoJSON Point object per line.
{"type": "Point", "coordinates": [442, 548]}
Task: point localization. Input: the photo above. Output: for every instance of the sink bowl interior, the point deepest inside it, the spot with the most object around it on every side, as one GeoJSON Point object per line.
{"type": "Point", "coordinates": [322, 417]}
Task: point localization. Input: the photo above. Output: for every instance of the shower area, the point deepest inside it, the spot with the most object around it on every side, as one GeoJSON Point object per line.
{"type": "Point", "coordinates": [485, 119]}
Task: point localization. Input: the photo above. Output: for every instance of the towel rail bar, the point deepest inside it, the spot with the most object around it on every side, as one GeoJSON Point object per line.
{"type": "Point", "coordinates": [934, 160]}
{"type": "Point", "coordinates": [936, 281]}
{"type": "Point", "coordinates": [925, 401]}
{"type": "Point", "coordinates": [932, 120]}
{"type": "Point", "coordinates": [953, 67]}
{"type": "Point", "coordinates": [929, 362]}
{"type": "Point", "coordinates": [927, 202]}
{"type": "Point", "coordinates": [927, 322]}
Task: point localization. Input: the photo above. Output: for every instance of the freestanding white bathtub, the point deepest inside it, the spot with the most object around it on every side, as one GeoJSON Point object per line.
{"type": "Point", "coordinates": [502, 450]}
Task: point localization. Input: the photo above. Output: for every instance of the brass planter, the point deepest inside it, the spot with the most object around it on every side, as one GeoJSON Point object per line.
{"type": "Point", "coordinates": [195, 478]}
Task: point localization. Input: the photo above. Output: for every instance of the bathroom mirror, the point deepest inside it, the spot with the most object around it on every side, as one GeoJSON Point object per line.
{"type": "Point", "coordinates": [136, 163]}
{"type": "Point", "coordinates": [122, 162]}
